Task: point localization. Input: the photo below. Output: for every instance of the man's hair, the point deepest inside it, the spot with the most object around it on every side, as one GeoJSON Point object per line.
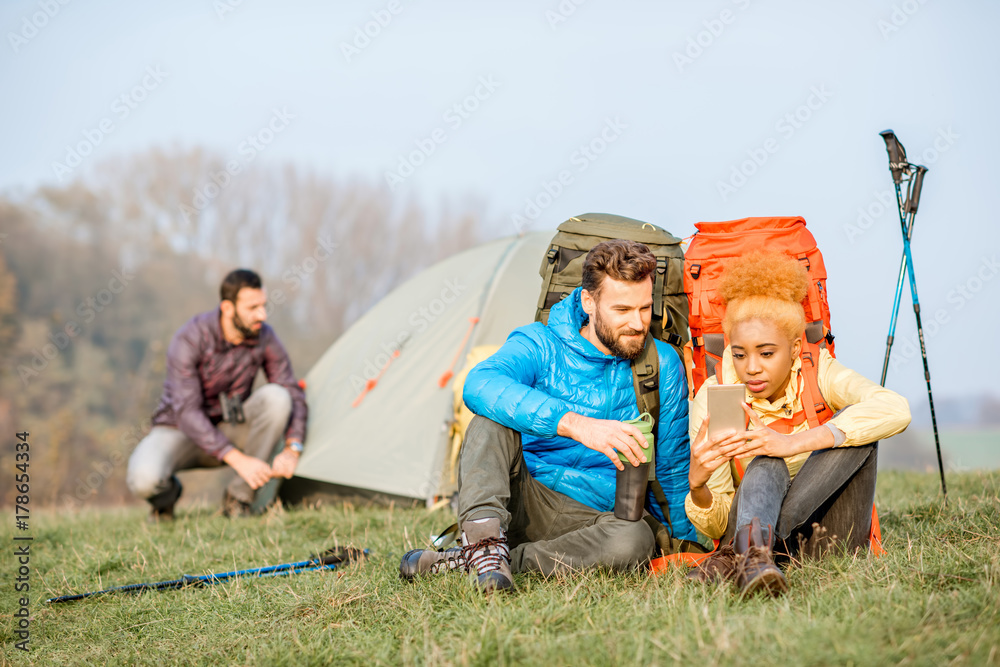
{"type": "Point", "coordinates": [621, 259]}
{"type": "Point", "coordinates": [235, 281]}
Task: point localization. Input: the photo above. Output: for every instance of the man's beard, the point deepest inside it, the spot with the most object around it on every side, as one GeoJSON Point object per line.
{"type": "Point", "coordinates": [245, 331]}
{"type": "Point", "coordinates": [612, 340]}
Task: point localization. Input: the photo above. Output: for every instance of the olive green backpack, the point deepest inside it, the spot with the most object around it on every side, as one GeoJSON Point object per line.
{"type": "Point", "coordinates": [562, 269]}
{"type": "Point", "coordinates": [562, 272]}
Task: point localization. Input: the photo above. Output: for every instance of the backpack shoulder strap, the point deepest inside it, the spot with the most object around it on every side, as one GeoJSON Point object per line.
{"type": "Point", "coordinates": [646, 382]}
{"type": "Point", "coordinates": [548, 267]}
{"type": "Point", "coordinates": [817, 411]}
{"type": "Point", "coordinates": [814, 407]}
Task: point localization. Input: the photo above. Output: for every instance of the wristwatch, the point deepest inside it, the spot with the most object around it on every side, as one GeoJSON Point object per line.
{"type": "Point", "coordinates": [295, 446]}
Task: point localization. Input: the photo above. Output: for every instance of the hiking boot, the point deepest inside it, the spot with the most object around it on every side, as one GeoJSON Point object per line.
{"type": "Point", "coordinates": [718, 567]}
{"type": "Point", "coordinates": [485, 548]}
{"type": "Point", "coordinates": [163, 515]}
{"type": "Point", "coordinates": [233, 507]}
{"type": "Point", "coordinates": [163, 503]}
{"type": "Point", "coordinates": [431, 561]}
{"type": "Point", "coordinates": [755, 571]}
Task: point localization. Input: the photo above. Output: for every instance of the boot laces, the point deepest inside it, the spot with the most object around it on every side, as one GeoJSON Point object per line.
{"type": "Point", "coordinates": [487, 555]}
{"type": "Point", "coordinates": [722, 561]}
{"type": "Point", "coordinates": [756, 557]}
{"type": "Point", "coordinates": [454, 561]}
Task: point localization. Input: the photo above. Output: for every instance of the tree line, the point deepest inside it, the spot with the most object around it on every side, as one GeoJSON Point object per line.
{"type": "Point", "coordinates": [97, 275]}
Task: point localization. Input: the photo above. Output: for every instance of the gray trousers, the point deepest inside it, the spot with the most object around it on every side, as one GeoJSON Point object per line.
{"type": "Point", "coordinates": [165, 450]}
{"type": "Point", "coordinates": [828, 503]}
{"type": "Point", "coordinates": [547, 531]}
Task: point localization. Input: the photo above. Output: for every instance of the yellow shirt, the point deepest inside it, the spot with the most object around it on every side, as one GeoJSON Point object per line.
{"type": "Point", "coordinates": [870, 412]}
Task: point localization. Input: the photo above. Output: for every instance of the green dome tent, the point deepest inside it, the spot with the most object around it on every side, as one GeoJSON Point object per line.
{"type": "Point", "coordinates": [379, 416]}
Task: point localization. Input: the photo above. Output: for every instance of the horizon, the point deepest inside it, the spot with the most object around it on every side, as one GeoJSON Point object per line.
{"type": "Point", "coordinates": [671, 114]}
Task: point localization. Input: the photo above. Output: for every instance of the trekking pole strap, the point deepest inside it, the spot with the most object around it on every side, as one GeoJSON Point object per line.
{"type": "Point", "coordinates": [446, 537]}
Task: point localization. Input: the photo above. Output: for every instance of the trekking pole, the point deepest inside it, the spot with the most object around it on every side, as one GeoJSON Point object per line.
{"type": "Point", "coordinates": [899, 166]}
{"type": "Point", "coordinates": [328, 560]}
{"type": "Point", "coordinates": [911, 214]}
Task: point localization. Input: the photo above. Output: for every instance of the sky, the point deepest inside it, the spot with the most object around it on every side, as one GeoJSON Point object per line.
{"type": "Point", "coordinates": [668, 112]}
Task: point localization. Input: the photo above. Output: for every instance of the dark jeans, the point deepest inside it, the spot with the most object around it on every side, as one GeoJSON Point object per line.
{"type": "Point", "coordinates": [828, 503]}
{"type": "Point", "coordinates": [547, 531]}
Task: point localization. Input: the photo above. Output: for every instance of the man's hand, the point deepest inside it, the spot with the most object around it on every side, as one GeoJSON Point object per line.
{"type": "Point", "coordinates": [284, 463]}
{"type": "Point", "coordinates": [254, 472]}
{"type": "Point", "coordinates": [606, 436]}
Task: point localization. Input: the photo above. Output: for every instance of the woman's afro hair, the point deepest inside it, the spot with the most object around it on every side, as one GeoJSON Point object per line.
{"type": "Point", "coordinates": [765, 285]}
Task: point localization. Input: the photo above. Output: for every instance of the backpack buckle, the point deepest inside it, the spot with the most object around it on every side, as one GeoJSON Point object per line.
{"type": "Point", "coordinates": [552, 254]}
{"type": "Point", "coordinates": [661, 265]}
{"type": "Point", "coordinates": [695, 271]}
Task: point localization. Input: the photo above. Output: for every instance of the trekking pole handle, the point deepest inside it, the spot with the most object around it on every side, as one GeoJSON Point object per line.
{"type": "Point", "coordinates": [918, 183]}
{"type": "Point", "coordinates": [897, 156]}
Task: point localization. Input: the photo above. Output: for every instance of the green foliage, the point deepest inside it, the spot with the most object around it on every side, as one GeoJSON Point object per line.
{"type": "Point", "coordinates": [932, 600]}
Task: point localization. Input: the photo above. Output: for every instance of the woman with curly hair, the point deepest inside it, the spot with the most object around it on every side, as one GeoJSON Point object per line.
{"type": "Point", "coordinates": [801, 491]}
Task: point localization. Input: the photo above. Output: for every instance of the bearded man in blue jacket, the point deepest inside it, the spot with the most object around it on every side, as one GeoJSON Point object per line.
{"type": "Point", "coordinates": [537, 469]}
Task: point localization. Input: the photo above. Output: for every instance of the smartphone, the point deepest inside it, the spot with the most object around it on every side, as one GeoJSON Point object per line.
{"type": "Point", "coordinates": [725, 407]}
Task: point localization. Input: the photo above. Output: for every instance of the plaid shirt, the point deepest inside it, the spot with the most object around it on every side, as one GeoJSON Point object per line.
{"type": "Point", "coordinates": [201, 364]}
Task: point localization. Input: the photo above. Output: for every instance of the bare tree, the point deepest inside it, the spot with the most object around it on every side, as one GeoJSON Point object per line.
{"type": "Point", "coordinates": [171, 223]}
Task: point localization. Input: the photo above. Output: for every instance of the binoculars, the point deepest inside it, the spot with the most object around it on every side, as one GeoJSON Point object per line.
{"type": "Point", "coordinates": [232, 408]}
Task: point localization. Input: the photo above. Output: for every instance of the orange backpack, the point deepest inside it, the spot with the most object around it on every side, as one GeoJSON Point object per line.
{"type": "Point", "coordinates": [710, 250]}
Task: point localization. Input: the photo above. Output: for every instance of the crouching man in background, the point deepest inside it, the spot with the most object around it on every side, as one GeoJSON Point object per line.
{"type": "Point", "coordinates": [536, 479]}
{"type": "Point", "coordinates": [208, 416]}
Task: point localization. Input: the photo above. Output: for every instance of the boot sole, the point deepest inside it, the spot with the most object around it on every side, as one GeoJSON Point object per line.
{"type": "Point", "coordinates": [492, 581]}
{"type": "Point", "coordinates": [773, 583]}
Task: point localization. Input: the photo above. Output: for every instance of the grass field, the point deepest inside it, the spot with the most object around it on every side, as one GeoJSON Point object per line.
{"type": "Point", "coordinates": [933, 600]}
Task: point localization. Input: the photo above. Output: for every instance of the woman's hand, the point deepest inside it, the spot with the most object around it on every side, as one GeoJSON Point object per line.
{"type": "Point", "coordinates": [762, 441]}
{"type": "Point", "coordinates": [708, 454]}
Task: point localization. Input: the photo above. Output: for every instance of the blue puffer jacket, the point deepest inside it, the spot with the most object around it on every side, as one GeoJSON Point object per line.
{"type": "Point", "coordinates": [543, 372]}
